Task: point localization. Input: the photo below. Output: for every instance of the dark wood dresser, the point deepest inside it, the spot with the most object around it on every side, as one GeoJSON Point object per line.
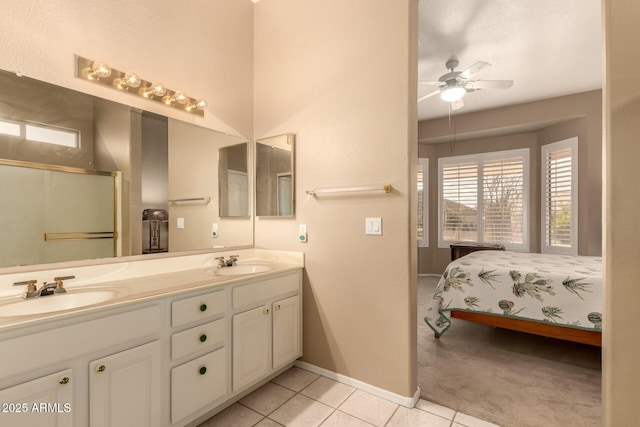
{"type": "Point", "coordinates": [463, 248]}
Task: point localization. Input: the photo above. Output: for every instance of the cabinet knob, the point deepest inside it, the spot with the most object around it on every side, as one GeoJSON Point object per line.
{"type": "Point", "coordinates": [277, 306]}
{"type": "Point", "coordinates": [100, 368]}
{"type": "Point", "coordinates": [203, 338]}
{"type": "Point", "coordinates": [266, 310]}
{"type": "Point", "coordinates": [203, 370]}
{"type": "Point", "coordinates": [64, 380]}
{"type": "Point", "coordinates": [203, 307]}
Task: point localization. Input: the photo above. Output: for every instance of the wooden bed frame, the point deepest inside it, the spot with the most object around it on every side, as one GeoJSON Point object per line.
{"type": "Point", "coordinates": [537, 328]}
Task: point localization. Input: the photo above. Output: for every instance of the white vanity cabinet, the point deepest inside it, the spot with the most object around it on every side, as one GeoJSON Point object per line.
{"type": "Point", "coordinates": [169, 360]}
{"type": "Point", "coordinates": [53, 365]}
{"type": "Point", "coordinates": [124, 388]}
{"type": "Point", "coordinates": [199, 353]}
{"type": "Point", "coordinates": [267, 327]}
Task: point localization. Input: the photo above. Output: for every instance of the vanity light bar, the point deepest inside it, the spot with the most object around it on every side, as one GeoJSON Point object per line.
{"type": "Point", "coordinates": [101, 73]}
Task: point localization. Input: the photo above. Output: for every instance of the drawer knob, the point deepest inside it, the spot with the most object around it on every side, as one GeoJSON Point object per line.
{"type": "Point", "coordinates": [101, 368]}
{"type": "Point", "coordinates": [203, 307]}
{"type": "Point", "coordinates": [64, 380]}
{"type": "Point", "coordinates": [203, 370]}
{"type": "Point", "coordinates": [203, 338]}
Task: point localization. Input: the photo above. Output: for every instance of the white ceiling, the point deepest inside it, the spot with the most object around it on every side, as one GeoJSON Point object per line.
{"type": "Point", "coordinates": [547, 47]}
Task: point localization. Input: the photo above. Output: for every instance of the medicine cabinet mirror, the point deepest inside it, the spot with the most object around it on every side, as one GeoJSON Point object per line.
{"type": "Point", "coordinates": [233, 181]}
{"type": "Point", "coordinates": [275, 177]}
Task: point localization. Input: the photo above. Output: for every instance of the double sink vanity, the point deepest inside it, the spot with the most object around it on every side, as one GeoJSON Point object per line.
{"type": "Point", "coordinates": [161, 342]}
{"type": "Point", "coordinates": [99, 326]}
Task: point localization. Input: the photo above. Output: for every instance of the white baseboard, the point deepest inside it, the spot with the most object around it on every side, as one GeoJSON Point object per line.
{"type": "Point", "coordinates": [408, 402]}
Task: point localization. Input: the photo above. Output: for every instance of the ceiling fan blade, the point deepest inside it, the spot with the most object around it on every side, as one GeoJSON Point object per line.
{"type": "Point", "coordinates": [456, 105]}
{"type": "Point", "coordinates": [489, 84]}
{"type": "Point", "coordinates": [429, 95]}
{"type": "Point", "coordinates": [474, 69]}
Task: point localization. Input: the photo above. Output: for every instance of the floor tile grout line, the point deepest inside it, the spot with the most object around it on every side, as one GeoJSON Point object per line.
{"type": "Point", "coordinates": [391, 417]}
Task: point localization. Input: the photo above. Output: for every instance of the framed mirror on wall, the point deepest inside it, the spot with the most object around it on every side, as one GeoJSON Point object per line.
{"type": "Point", "coordinates": [275, 176]}
{"type": "Point", "coordinates": [101, 135]}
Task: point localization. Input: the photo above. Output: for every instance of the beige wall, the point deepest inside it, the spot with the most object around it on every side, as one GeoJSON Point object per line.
{"type": "Point", "coordinates": [341, 76]}
{"type": "Point", "coordinates": [529, 125]}
{"type": "Point", "coordinates": [621, 339]}
{"type": "Point", "coordinates": [205, 49]}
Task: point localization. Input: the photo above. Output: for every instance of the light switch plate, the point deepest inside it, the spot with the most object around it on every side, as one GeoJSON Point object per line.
{"type": "Point", "coordinates": [373, 226]}
{"type": "Point", "coordinates": [180, 223]}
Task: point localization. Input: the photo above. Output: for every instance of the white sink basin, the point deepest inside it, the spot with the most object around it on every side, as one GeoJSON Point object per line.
{"type": "Point", "coordinates": [239, 269]}
{"type": "Point", "coordinates": [57, 302]}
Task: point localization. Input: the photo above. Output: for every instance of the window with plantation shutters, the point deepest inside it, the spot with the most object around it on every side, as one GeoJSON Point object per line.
{"type": "Point", "coordinates": [484, 198]}
{"type": "Point", "coordinates": [423, 200]}
{"type": "Point", "coordinates": [503, 200]}
{"type": "Point", "coordinates": [560, 197]}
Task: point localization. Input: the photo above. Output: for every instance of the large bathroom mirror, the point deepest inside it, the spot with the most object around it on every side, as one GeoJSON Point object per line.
{"type": "Point", "coordinates": [167, 168]}
{"type": "Point", "coordinates": [275, 177]}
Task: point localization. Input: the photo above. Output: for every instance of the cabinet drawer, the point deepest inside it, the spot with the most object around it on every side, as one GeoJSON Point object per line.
{"type": "Point", "coordinates": [198, 383]}
{"type": "Point", "coordinates": [253, 293]}
{"type": "Point", "coordinates": [196, 308]}
{"type": "Point", "coordinates": [201, 337]}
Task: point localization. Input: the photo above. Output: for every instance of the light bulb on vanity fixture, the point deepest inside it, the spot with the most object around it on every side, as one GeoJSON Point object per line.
{"type": "Point", "coordinates": [180, 97]}
{"type": "Point", "coordinates": [127, 81]}
{"type": "Point", "coordinates": [100, 72]}
{"type": "Point", "coordinates": [156, 89]}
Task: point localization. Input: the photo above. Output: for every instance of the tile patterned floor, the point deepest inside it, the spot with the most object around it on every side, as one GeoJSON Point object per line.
{"type": "Point", "coordinates": [299, 398]}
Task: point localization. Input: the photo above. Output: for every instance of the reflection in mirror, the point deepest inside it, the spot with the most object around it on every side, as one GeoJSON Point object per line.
{"type": "Point", "coordinates": [56, 214]}
{"type": "Point", "coordinates": [275, 176]}
{"type": "Point", "coordinates": [93, 134]}
{"type": "Point", "coordinates": [193, 188]}
{"type": "Point", "coordinates": [233, 179]}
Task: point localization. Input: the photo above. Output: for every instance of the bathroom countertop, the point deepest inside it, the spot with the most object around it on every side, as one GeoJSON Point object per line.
{"type": "Point", "coordinates": [149, 287]}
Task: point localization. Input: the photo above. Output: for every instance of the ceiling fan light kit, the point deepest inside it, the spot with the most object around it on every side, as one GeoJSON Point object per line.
{"type": "Point", "coordinates": [453, 86]}
{"type": "Point", "coordinates": [452, 94]}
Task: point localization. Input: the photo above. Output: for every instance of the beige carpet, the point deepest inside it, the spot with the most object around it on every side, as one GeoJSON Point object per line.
{"type": "Point", "coordinates": [508, 378]}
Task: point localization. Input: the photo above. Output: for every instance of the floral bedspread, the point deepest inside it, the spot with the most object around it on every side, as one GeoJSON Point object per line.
{"type": "Point", "coordinates": [560, 289]}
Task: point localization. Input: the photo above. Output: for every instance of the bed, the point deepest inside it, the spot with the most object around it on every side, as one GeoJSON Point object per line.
{"type": "Point", "coordinates": [558, 296]}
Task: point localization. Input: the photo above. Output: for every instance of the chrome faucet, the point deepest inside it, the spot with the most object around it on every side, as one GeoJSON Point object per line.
{"type": "Point", "coordinates": [56, 287]}
{"type": "Point", "coordinates": [228, 263]}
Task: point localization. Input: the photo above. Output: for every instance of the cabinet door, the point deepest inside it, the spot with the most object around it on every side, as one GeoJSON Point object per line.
{"type": "Point", "coordinates": [124, 388]}
{"type": "Point", "coordinates": [43, 402]}
{"type": "Point", "coordinates": [251, 339]}
{"type": "Point", "coordinates": [287, 331]}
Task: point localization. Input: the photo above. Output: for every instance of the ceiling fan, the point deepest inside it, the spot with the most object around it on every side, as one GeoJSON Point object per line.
{"type": "Point", "coordinates": [452, 86]}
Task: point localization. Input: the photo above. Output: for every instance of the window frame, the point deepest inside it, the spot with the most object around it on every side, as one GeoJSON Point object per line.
{"type": "Point", "coordinates": [424, 241]}
{"type": "Point", "coordinates": [572, 144]}
{"type": "Point", "coordinates": [479, 159]}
